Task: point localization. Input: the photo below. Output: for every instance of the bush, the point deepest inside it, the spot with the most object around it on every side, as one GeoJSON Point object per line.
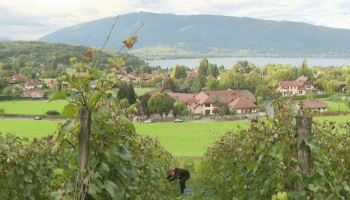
{"type": "Point", "coordinates": [260, 162]}
{"type": "Point", "coordinates": [335, 98]}
{"type": "Point", "coordinates": [52, 112]}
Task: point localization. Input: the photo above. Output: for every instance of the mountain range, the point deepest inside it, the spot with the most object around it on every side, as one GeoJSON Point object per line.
{"type": "Point", "coordinates": [5, 39]}
{"type": "Point", "coordinates": [184, 36]}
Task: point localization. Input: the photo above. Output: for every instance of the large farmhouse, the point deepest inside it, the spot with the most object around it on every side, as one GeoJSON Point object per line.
{"type": "Point", "coordinates": [208, 102]}
{"type": "Point", "coordinates": [319, 106]}
{"type": "Point", "coordinates": [297, 87]}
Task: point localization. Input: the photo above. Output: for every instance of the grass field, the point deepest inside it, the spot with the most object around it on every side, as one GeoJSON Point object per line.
{"type": "Point", "coordinates": [141, 91]}
{"type": "Point", "coordinates": [31, 107]}
{"type": "Point", "coordinates": [27, 128]}
{"type": "Point", "coordinates": [181, 139]}
{"type": "Point", "coordinates": [336, 106]}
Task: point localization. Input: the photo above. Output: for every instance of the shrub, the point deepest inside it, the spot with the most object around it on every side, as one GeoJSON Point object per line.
{"type": "Point", "coordinates": [260, 162]}
{"type": "Point", "coordinates": [335, 98]}
{"type": "Point", "coordinates": [52, 112]}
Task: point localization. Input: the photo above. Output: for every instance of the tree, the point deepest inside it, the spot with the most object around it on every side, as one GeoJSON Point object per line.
{"type": "Point", "coordinates": [171, 85]}
{"type": "Point", "coordinates": [126, 90]}
{"type": "Point", "coordinates": [222, 112]}
{"type": "Point", "coordinates": [8, 73]}
{"type": "Point", "coordinates": [145, 69]}
{"type": "Point", "coordinates": [333, 86]}
{"type": "Point", "coordinates": [203, 66]}
{"type": "Point", "coordinates": [176, 111]}
{"type": "Point", "coordinates": [213, 70]}
{"type": "Point", "coordinates": [233, 111]}
{"type": "Point", "coordinates": [4, 82]}
{"type": "Point", "coordinates": [212, 83]}
{"type": "Point", "coordinates": [160, 103]}
{"type": "Point", "coordinates": [26, 71]}
{"type": "Point", "coordinates": [179, 71]}
{"type": "Point", "coordinates": [7, 91]}
{"type": "Point", "coordinates": [199, 83]}
{"type": "Point", "coordinates": [231, 79]}
{"type": "Point", "coordinates": [259, 100]}
{"type": "Point", "coordinates": [347, 81]}
{"type": "Point", "coordinates": [124, 103]}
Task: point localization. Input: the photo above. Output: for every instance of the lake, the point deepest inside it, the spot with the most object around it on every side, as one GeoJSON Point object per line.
{"type": "Point", "coordinates": [258, 61]}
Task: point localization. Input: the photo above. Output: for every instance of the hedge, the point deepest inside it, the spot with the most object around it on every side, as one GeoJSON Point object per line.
{"type": "Point", "coordinates": [12, 98]}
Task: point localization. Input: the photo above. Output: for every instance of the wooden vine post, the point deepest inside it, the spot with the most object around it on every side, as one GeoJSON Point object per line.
{"type": "Point", "coordinates": [84, 135]}
{"type": "Point", "coordinates": [303, 125]}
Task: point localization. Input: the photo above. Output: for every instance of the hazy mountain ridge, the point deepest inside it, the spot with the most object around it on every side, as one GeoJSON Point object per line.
{"type": "Point", "coordinates": [209, 35]}
{"type": "Point", "coordinates": [6, 39]}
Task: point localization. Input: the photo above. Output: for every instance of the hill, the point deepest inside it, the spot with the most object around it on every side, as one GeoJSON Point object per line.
{"type": "Point", "coordinates": [17, 54]}
{"type": "Point", "coordinates": [5, 39]}
{"type": "Point", "coordinates": [172, 36]}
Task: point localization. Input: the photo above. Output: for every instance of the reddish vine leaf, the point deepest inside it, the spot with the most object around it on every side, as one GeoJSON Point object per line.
{"type": "Point", "coordinates": [129, 43]}
{"type": "Point", "coordinates": [89, 55]}
{"type": "Point", "coordinates": [116, 62]}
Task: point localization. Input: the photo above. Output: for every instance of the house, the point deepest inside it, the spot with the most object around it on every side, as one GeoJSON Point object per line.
{"type": "Point", "coordinates": [19, 77]}
{"type": "Point", "coordinates": [297, 87]}
{"type": "Point", "coordinates": [243, 105]}
{"type": "Point", "coordinates": [50, 83]}
{"type": "Point", "coordinates": [314, 105]}
{"type": "Point", "coordinates": [33, 93]}
{"type": "Point", "coordinates": [191, 74]}
{"type": "Point", "coordinates": [208, 102]}
{"type": "Point", "coordinates": [342, 86]}
{"type": "Point", "coordinates": [33, 84]}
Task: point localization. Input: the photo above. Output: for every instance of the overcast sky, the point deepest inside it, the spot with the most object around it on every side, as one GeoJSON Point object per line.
{"type": "Point", "coordinates": [33, 19]}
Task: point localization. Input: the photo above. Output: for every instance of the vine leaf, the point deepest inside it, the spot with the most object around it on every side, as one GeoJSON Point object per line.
{"type": "Point", "coordinates": [110, 187]}
{"type": "Point", "coordinates": [89, 55]}
{"type": "Point", "coordinates": [57, 171]}
{"type": "Point", "coordinates": [68, 126]}
{"type": "Point", "coordinates": [309, 141]}
{"type": "Point", "coordinates": [129, 43]}
{"type": "Point", "coordinates": [124, 153]}
{"type": "Point", "coordinates": [59, 95]}
{"type": "Point", "coordinates": [116, 62]}
{"type": "Point", "coordinates": [69, 110]}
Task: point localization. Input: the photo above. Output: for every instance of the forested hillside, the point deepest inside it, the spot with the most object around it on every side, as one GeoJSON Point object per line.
{"type": "Point", "coordinates": [174, 36]}
{"type": "Point", "coordinates": [47, 58]}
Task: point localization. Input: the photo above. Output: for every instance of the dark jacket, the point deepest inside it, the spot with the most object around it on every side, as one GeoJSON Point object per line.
{"type": "Point", "coordinates": [179, 173]}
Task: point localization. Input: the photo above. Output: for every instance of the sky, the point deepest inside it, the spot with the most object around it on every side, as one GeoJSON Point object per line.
{"type": "Point", "coordinates": [33, 19]}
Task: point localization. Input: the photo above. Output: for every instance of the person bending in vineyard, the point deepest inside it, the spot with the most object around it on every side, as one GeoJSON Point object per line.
{"type": "Point", "coordinates": [178, 173]}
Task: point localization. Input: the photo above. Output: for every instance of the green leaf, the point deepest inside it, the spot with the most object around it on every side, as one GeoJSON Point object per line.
{"type": "Point", "coordinates": [68, 126]}
{"type": "Point", "coordinates": [93, 190]}
{"type": "Point", "coordinates": [105, 167]}
{"type": "Point", "coordinates": [72, 59]}
{"type": "Point", "coordinates": [5, 147]}
{"type": "Point", "coordinates": [57, 195]}
{"type": "Point", "coordinates": [59, 95]}
{"type": "Point", "coordinates": [309, 141]}
{"type": "Point", "coordinates": [124, 153]}
{"type": "Point", "coordinates": [57, 171]}
{"type": "Point", "coordinates": [116, 62]}
{"type": "Point", "coordinates": [103, 111]}
{"type": "Point", "coordinates": [75, 96]}
{"type": "Point", "coordinates": [111, 188]}
{"type": "Point", "coordinates": [69, 110]}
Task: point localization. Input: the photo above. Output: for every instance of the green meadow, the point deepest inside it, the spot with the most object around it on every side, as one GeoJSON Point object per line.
{"type": "Point", "coordinates": [141, 91]}
{"type": "Point", "coordinates": [187, 139]}
{"type": "Point", "coordinates": [337, 106]}
{"type": "Point", "coordinates": [31, 107]}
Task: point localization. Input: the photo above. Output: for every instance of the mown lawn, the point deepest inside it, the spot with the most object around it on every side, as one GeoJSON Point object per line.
{"type": "Point", "coordinates": [31, 107]}
{"type": "Point", "coordinates": [141, 91]}
{"type": "Point", "coordinates": [336, 106]}
{"type": "Point", "coordinates": [28, 128]}
{"type": "Point", "coordinates": [181, 139]}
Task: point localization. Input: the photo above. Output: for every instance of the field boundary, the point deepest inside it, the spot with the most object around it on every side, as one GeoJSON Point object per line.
{"type": "Point", "coordinates": [32, 116]}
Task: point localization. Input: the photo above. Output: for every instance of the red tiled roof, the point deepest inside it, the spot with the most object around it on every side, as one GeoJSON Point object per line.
{"type": "Point", "coordinates": [301, 80]}
{"type": "Point", "coordinates": [19, 77]}
{"type": "Point", "coordinates": [314, 104]}
{"type": "Point", "coordinates": [342, 82]}
{"type": "Point", "coordinates": [33, 93]}
{"type": "Point", "coordinates": [288, 83]}
{"type": "Point", "coordinates": [181, 96]}
{"type": "Point", "coordinates": [242, 102]}
{"type": "Point", "coordinates": [245, 74]}
{"type": "Point", "coordinates": [155, 91]}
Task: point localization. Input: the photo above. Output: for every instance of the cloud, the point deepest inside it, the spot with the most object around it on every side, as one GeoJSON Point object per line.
{"type": "Point", "coordinates": [30, 20]}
